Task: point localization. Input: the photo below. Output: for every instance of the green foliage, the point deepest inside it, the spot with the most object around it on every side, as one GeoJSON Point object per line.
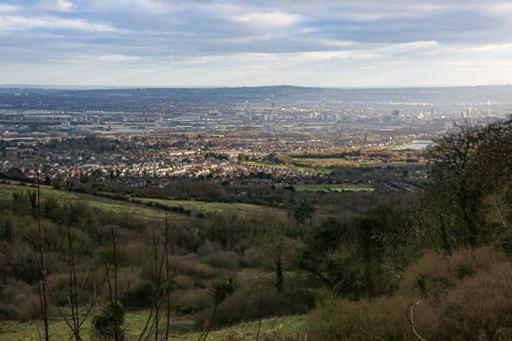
{"type": "Point", "coordinates": [6, 231]}
{"type": "Point", "coordinates": [470, 170]}
{"type": "Point", "coordinates": [222, 289]}
{"type": "Point", "coordinates": [138, 296]}
{"type": "Point", "coordinates": [380, 319]}
{"type": "Point", "coordinates": [359, 255]}
{"type": "Point", "coordinates": [107, 319]}
{"type": "Point", "coordinates": [303, 212]}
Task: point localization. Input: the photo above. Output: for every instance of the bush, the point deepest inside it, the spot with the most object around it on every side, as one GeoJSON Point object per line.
{"type": "Point", "coordinates": [253, 299]}
{"type": "Point", "coordinates": [19, 301]}
{"type": "Point", "coordinates": [198, 271]}
{"type": "Point", "coordinates": [434, 274]}
{"type": "Point", "coordinates": [224, 259]}
{"type": "Point", "coordinates": [138, 296]}
{"type": "Point", "coordinates": [9, 312]}
{"type": "Point", "coordinates": [104, 322]}
{"type": "Point", "coordinates": [479, 307]}
{"type": "Point", "coordinates": [191, 301]}
{"type": "Point", "coordinates": [380, 319]}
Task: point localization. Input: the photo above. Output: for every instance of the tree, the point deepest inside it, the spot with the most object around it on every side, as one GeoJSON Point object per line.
{"type": "Point", "coordinates": [109, 322]}
{"type": "Point", "coordinates": [303, 212]}
{"type": "Point", "coordinates": [219, 291]}
{"type": "Point", "coordinates": [280, 250]}
{"type": "Point", "coordinates": [467, 168]}
{"type": "Point", "coordinates": [452, 172]}
{"type": "Point", "coordinates": [361, 254]}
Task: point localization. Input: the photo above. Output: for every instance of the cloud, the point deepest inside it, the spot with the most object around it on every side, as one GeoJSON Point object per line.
{"type": "Point", "coordinates": [503, 10]}
{"type": "Point", "coordinates": [17, 22]}
{"type": "Point", "coordinates": [114, 58]}
{"type": "Point", "coordinates": [141, 7]}
{"type": "Point", "coordinates": [266, 20]}
{"type": "Point", "coordinates": [226, 42]}
{"type": "Point", "coordinates": [6, 8]}
{"type": "Point", "coordinates": [63, 5]}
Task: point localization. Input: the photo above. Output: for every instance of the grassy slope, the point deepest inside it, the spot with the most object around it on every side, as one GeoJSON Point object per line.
{"type": "Point", "coordinates": [131, 208]}
{"type": "Point", "coordinates": [110, 205]}
{"type": "Point", "coordinates": [135, 323]}
{"type": "Point", "coordinates": [245, 210]}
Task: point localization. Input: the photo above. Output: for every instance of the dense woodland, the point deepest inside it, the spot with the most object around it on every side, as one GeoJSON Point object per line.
{"type": "Point", "coordinates": [433, 265]}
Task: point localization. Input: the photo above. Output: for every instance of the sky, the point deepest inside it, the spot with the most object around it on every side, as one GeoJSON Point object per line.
{"type": "Point", "coordinates": [327, 43]}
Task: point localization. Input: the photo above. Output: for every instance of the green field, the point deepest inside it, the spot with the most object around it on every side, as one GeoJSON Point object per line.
{"type": "Point", "coordinates": [335, 188]}
{"type": "Point", "coordinates": [317, 170]}
{"type": "Point", "coordinates": [139, 208]}
{"type": "Point", "coordinates": [181, 329]}
{"type": "Point", "coordinates": [245, 210]}
{"type": "Point", "coordinates": [106, 204]}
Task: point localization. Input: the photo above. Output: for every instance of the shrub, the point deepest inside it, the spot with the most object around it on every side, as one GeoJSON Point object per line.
{"type": "Point", "coordinates": [191, 301]}
{"type": "Point", "coordinates": [198, 271]}
{"type": "Point", "coordinates": [183, 282]}
{"type": "Point", "coordinates": [380, 319]}
{"type": "Point", "coordinates": [479, 307]}
{"type": "Point", "coordinates": [253, 299]}
{"type": "Point", "coordinates": [19, 301]}
{"type": "Point", "coordinates": [9, 312]}
{"type": "Point", "coordinates": [24, 264]}
{"type": "Point", "coordinates": [434, 274]}
{"type": "Point", "coordinates": [138, 296]}
{"type": "Point", "coordinates": [254, 257]}
{"type": "Point", "coordinates": [104, 325]}
{"type": "Point", "coordinates": [223, 259]}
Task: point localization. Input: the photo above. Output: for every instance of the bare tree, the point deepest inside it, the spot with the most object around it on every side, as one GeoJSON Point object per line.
{"type": "Point", "coordinates": [43, 290]}
{"type": "Point", "coordinates": [167, 280]}
{"type": "Point", "coordinates": [161, 287]}
{"type": "Point", "coordinates": [78, 318]}
{"type": "Point", "coordinates": [220, 290]}
{"type": "Point", "coordinates": [109, 323]}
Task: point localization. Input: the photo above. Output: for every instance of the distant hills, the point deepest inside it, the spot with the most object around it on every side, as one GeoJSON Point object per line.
{"type": "Point", "coordinates": [137, 98]}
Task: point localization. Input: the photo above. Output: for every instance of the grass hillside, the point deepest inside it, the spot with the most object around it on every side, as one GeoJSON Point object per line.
{"type": "Point", "coordinates": [181, 329]}
{"type": "Point", "coordinates": [242, 209]}
{"type": "Point", "coordinates": [138, 206]}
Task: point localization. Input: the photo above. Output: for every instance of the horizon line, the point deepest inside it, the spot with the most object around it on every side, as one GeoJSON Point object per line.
{"type": "Point", "coordinates": [134, 87]}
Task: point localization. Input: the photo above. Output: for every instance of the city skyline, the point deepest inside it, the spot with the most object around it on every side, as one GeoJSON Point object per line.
{"type": "Point", "coordinates": [247, 43]}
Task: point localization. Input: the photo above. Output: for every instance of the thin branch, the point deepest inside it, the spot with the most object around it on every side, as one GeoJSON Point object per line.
{"type": "Point", "coordinates": [410, 318]}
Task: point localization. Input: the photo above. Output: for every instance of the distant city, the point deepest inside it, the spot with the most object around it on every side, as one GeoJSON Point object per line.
{"type": "Point", "coordinates": [287, 134]}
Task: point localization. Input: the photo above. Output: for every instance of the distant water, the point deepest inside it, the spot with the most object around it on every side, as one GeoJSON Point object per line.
{"type": "Point", "coordinates": [415, 145]}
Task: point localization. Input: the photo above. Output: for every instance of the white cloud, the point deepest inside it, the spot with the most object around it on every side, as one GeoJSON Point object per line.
{"type": "Point", "coordinates": [115, 58]}
{"type": "Point", "coordinates": [335, 42]}
{"type": "Point", "coordinates": [151, 7]}
{"type": "Point", "coordinates": [56, 5]}
{"type": "Point", "coordinates": [489, 48]}
{"type": "Point", "coordinates": [499, 9]}
{"type": "Point", "coordinates": [5, 8]}
{"type": "Point", "coordinates": [270, 20]}
{"type": "Point", "coordinates": [16, 22]}
{"type": "Point", "coordinates": [63, 5]}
